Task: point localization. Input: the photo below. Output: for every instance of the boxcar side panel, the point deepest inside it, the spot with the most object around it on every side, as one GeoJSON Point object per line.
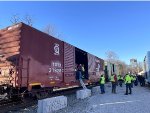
{"type": "Point", "coordinates": [95, 67]}
{"type": "Point", "coordinates": [45, 55]}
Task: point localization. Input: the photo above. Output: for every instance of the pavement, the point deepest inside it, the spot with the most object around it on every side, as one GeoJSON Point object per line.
{"type": "Point", "coordinates": [137, 102]}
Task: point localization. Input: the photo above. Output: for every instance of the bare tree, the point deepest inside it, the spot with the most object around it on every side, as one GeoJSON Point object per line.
{"type": "Point", "coordinates": [50, 30]}
{"type": "Point", "coordinates": [140, 67]}
{"type": "Point", "coordinates": [136, 68]}
{"type": "Point", "coordinates": [15, 19]}
{"type": "Point", "coordinates": [28, 20]}
{"type": "Point", "coordinates": [111, 56]}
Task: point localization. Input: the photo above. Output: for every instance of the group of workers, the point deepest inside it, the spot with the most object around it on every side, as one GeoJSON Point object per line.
{"type": "Point", "coordinates": [115, 80]}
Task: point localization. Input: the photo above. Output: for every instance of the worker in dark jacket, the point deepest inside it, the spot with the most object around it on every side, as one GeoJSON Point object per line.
{"type": "Point", "coordinates": [102, 82]}
{"type": "Point", "coordinates": [135, 80]}
{"type": "Point", "coordinates": [143, 80]}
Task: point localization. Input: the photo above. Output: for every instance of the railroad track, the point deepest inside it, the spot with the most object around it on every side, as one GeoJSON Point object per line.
{"type": "Point", "coordinates": [11, 106]}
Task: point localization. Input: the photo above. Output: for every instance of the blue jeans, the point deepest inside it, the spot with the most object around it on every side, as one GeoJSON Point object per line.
{"type": "Point", "coordinates": [102, 88]}
{"type": "Point", "coordinates": [80, 75]}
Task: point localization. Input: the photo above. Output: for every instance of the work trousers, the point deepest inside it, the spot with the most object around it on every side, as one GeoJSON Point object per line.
{"type": "Point", "coordinates": [114, 87]}
{"type": "Point", "coordinates": [102, 87]}
{"type": "Point", "coordinates": [128, 87]}
{"type": "Point", "coordinates": [120, 82]}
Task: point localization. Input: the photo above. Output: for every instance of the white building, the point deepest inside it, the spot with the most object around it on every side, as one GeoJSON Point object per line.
{"type": "Point", "coordinates": [133, 62]}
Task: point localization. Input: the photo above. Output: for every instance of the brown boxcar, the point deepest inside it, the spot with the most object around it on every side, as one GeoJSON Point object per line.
{"type": "Point", "coordinates": [30, 58]}
{"type": "Point", "coordinates": [95, 68]}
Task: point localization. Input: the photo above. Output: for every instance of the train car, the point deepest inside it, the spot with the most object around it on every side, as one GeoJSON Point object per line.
{"type": "Point", "coordinates": [147, 67]}
{"type": "Point", "coordinates": [95, 68]}
{"type": "Point", "coordinates": [31, 61]}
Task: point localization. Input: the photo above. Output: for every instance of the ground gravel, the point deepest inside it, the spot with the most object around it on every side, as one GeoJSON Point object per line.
{"type": "Point", "coordinates": [138, 102]}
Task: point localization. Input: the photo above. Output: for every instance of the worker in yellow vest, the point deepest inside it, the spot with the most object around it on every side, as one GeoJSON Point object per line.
{"type": "Point", "coordinates": [102, 84]}
{"type": "Point", "coordinates": [120, 79]}
{"type": "Point", "coordinates": [113, 80]}
{"type": "Point", "coordinates": [128, 84]}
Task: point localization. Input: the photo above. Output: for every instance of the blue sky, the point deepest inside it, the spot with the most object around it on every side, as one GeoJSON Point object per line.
{"type": "Point", "coordinates": [96, 27]}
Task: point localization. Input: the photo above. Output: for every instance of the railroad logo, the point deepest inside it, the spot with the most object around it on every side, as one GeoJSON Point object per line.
{"type": "Point", "coordinates": [56, 49]}
{"type": "Point", "coordinates": [98, 68]}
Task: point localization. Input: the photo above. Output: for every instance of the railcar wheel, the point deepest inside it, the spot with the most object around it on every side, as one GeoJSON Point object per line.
{"type": "Point", "coordinates": [41, 95]}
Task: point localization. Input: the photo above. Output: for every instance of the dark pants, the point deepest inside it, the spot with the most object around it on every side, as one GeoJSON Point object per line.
{"type": "Point", "coordinates": [128, 87]}
{"type": "Point", "coordinates": [143, 83]}
{"type": "Point", "coordinates": [114, 87]}
{"type": "Point", "coordinates": [79, 75]}
{"type": "Point", "coordinates": [135, 82]}
{"type": "Point", "coordinates": [120, 82]}
{"type": "Point", "coordinates": [102, 88]}
{"type": "Point", "coordinates": [132, 84]}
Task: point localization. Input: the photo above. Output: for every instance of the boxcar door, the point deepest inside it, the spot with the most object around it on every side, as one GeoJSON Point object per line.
{"type": "Point", "coordinates": [69, 64]}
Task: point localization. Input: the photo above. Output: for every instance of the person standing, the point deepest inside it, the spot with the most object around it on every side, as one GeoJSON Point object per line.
{"type": "Point", "coordinates": [80, 71]}
{"type": "Point", "coordinates": [143, 80]}
{"type": "Point", "coordinates": [135, 80]}
{"type": "Point", "coordinates": [102, 82]}
{"type": "Point", "coordinates": [113, 80]}
{"type": "Point", "coordinates": [128, 84]}
{"type": "Point", "coordinates": [120, 79]}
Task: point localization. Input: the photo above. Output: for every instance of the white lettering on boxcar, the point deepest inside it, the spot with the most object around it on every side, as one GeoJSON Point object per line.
{"type": "Point", "coordinates": [56, 67]}
{"type": "Point", "coordinates": [56, 49]}
{"type": "Point", "coordinates": [98, 68]}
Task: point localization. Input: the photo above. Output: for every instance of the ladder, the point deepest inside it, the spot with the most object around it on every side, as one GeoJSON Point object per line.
{"type": "Point", "coordinates": [82, 83]}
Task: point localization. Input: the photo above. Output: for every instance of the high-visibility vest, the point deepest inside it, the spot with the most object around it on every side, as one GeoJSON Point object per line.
{"type": "Point", "coordinates": [118, 77]}
{"type": "Point", "coordinates": [127, 79]}
{"type": "Point", "coordinates": [102, 80]}
{"type": "Point", "coordinates": [112, 78]}
{"type": "Point", "coordinates": [121, 78]}
{"type": "Point", "coordinates": [132, 78]}
{"type": "Point", "coordinates": [83, 69]}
